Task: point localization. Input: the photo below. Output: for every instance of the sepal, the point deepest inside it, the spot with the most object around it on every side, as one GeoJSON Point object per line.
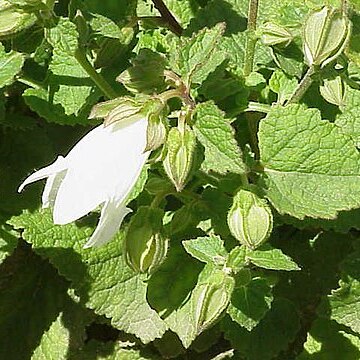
{"type": "Point", "coordinates": [250, 219]}
{"type": "Point", "coordinates": [180, 149]}
{"type": "Point", "coordinates": [145, 244]}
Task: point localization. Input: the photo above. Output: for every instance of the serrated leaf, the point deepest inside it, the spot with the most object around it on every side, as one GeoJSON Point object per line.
{"type": "Point", "coordinates": [101, 277]}
{"type": "Point", "coordinates": [273, 259]}
{"type": "Point", "coordinates": [312, 168]}
{"type": "Point", "coordinates": [40, 101]}
{"type": "Point", "coordinates": [327, 341]}
{"type": "Point", "coordinates": [270, 337]}
{"type": "Point", "coordinates": [70, 88]}
{"type": "Point", "coordinates": [196, 58]}
{"type": "Point", "coordinates": [207, 249]}
{"type": "Point", "coordinates": [51, 330]}
{"type": "Point", "coordinates": [250, 302]}
{"type": "Point", "coordinates": [10, 65]}
{"type": "Point", "coordinates": [344, 302]}
{"type": "Point", "coordinates": [348, 120]}
{"type": "Point", "coordinates": [222, 153]}
{"type": "Point", "coordinates": [105, 27]}
{"type": "Point", "coordinates": [233, 43]}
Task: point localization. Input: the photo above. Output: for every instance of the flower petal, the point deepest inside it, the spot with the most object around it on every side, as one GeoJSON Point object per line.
{"type": "Point", "coordinates": [105, 164]}
{"type": "Point", "coordinates": [60, 164]}
{"type": "Point", "coordinates": [51, 188]}
{"type": "Point", "coordinates": [112, 215]}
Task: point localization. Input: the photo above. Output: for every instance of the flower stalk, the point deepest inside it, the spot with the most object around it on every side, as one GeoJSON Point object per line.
{"type": "Point", "coordinates": [251, 39]}
{"type": "Point", "coordinates": [98, 79]}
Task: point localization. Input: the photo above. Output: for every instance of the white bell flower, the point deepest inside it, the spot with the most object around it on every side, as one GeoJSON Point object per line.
{"type": "Point", "coordinates": [101, 169]}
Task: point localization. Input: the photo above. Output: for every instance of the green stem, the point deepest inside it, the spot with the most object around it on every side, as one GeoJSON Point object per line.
{"type": "Point", "coordinates": [157, 200]}
{"type": "Point", "coordinates": [251, 39]}
{"type": "Point", "coordinates": [258, 107]}
{"type": "Point", "coordinates": [100, 82]}
{"type": "Point", "coordinates": [303, 86]}
{"type": "Point", "coordinates": [29, 82]}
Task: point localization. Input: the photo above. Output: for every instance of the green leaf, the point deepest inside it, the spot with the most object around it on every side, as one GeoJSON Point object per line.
{"type": "Point", "coordinates": [10, 65]}
{"type": "Point", "coordinates": [215, 133]}
{"type": "Point", "coordinates": [348, 119]}
{"type": "Point", "coordinates": [312, 168]}
{"type": "Point", "coordinates": [100, 276]}
{"type": "Point", "coordinates": [344, 221]}
{"type": "Point", "coordinates": [207, 249]}
{"type": "Point", "coordinates": [40, 101]}
{"type": "Point", "coordinates": [52, 330]}
{"type": "Point", "coordinates": [105, 26]}
{"type": "Point", "coordinates": [328, 341]}
{"type": "Point", "coordinates": [113, 351]}
{"type": "Point", "coordinates": [270, 337]}
{"type": "Point", "coordinates": [269, 258]}
{"type": "Point", "coordinates": [196, 58]}
{"type": "Point", "coordinates": [233, 43]}
{"type": "Point", "coordinates": [8, 241]}
{"type": "Point", "coordinates": [71, 91]}
{"type": "Point", "coordinates": [207, 301]}
{"type": "Point", "coordinates": [344, 302]}
{"type": "Point", "coordinates": [282, 85]}
{"type": "Point", "coordinates": [250, 302]}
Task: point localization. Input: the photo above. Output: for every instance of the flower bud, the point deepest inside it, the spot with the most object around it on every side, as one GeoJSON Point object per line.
{"type": "Point", "coordinates": [13, 19]}
{"type": "Point", "coordinates": [180, 148]}
{"type": "Point", "coordinates": [274, 34]}
{"type": "Point", "coordinates": [145, 246]}
{"type": "Point", "coordinates": [212, 298]}
{"type": "Point", "coordinates": [156, 132]}
{"type": "Point", "coordinates": [333, 90]}
{"type": "Point", "coordinates": [146, 75]}
{"type": "Point", "coordinates": [131, 109]}
{"type": "Point", "coordinates": [250, 219]}
{"type": "Point", "coordinates": [326, 34]}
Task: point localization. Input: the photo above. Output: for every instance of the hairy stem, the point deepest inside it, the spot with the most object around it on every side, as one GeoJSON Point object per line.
{"type": "Point", "coordinates": [100, 82]}
{"type": "Point", "coordinates": [251, 39]}
{"type": "Point", "coordinates": [302, 87]}
{"type": "Point", "coordinates": [168, 17]}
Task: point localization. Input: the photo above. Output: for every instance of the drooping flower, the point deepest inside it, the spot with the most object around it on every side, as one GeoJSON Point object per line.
{"type": "Point", "coordinates": [101, 169]}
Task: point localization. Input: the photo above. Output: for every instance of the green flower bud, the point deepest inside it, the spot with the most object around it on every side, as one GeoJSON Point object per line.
{"type": "Point", "coordinates": [13, 19]}
{"type": "Point", "coordinates": [156, 132]}
{"type": "Point", "coordinates": [250, 219]}
{"type": "Point", "coordinates": [180, 148]}
{"type": "Point", "coordinates": [145, 246]}
{"type": "Point", "coordinates": [146, 74]}
{"type": "Point", "coordinates": [131, 109]}
{"type": "Point", "coordinates": [212, 298]}
{"type": "Point", "coordinates": [333, 91]}
{"type": "Point", "coordinates": [274, 34]}
{"type": "Point", "coordinates": [326, 34]}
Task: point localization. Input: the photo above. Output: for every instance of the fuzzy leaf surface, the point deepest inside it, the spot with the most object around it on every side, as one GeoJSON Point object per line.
{"type": "Point", "coordinates": [312, 168]}
{"type": "Point", "coordinates": [215, 133]}
{"type": "Point", "coordinates": [101, 277]}
{"type": "Point", "coordinates": [10, 65]}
